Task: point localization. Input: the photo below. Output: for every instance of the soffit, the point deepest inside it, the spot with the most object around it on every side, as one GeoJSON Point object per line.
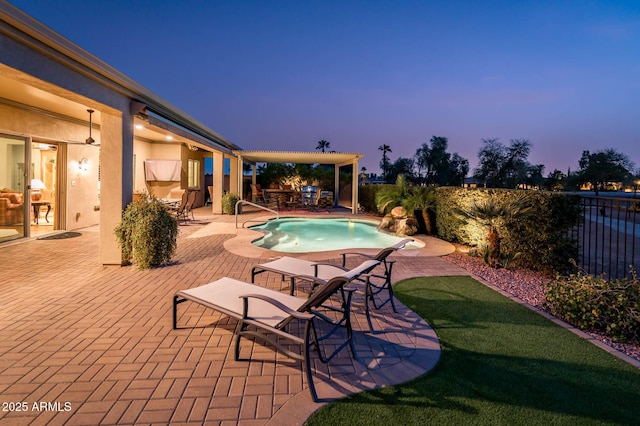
{"type": "Point", "coordinates": [298, 157]}
{"type": "Point", "coordinates": [19, 88]}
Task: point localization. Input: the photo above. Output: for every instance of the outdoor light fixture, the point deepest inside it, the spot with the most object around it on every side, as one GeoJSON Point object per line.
{"type": "Point", "coordinates": [90, 140]}
{"type": "Point", "coordinates": [192, 147]}
{"type": "Point", "coordinates": [83, 165]}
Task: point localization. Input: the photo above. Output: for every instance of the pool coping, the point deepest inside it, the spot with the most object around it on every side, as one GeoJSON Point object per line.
{"type": "Point", "coordinates": [241, 245]}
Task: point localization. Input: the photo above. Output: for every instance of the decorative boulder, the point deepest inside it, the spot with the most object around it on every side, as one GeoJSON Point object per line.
{"type": "Point", "coordinates": [386, 224]}
{"type": "Point", "coordinates": [406, 227]}
{"type": "Point", "coordinates": [399, 213]}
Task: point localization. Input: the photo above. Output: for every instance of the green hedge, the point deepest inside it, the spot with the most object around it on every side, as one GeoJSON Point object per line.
{"type": "Point", "coordinates": [539, 239]}
{"type": "Point", "coordinates": [367, 197]}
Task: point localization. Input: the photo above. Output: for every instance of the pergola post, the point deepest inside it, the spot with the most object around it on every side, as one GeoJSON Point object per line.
{"type": "Point", "coordinates": [218, 182]}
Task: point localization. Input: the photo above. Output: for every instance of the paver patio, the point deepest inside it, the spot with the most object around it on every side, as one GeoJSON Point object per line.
{"type": "Point", "coordinates": [96, 343]}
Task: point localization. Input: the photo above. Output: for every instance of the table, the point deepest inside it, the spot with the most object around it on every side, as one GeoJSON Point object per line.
{"type": "Point", "coordinates": [36, 209]}
{"type": "Point", "coordinates": [171, 203]}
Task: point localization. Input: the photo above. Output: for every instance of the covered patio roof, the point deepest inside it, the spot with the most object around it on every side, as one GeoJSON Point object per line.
{"type": "Point", "coordinates": [300, 157]}
{"type": "Point", "coordinates": [338, 159]}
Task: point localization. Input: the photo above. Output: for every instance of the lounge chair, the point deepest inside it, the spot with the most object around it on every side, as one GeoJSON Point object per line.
{"type": "Point", "coordinates": [295, 268]}
{"type": "Point", "coordinates": [269, 312]}
{"type": "Point", "coordinates": [372, 289]}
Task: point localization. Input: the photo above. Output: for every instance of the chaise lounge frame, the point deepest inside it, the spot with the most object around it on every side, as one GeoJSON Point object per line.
{"type": "Point", "coordinates": [269, 312]}
{"type": "Point", "coordinates": [295, 268]}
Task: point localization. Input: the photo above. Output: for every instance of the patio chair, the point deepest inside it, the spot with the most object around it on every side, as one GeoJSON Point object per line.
{"type": "Point", "coordinates": [257, 194]}
{"type": "Point", "coordinates": [183, 210]}
{"type": "Point", "coordinates": [191, 200]}
{"type": "Point", "coordinates": [270, 312]}
{"type": "Point", "coordinates": [373, 289]}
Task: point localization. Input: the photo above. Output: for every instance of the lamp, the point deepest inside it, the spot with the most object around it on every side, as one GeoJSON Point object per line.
{"type": "Point", "coordinates": [37, 185]}
{"type": "Point", "coordinates": [90, 140]}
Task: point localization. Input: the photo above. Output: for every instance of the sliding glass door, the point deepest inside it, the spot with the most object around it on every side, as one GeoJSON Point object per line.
{"type": "Point", "coordinates": [13, 188]}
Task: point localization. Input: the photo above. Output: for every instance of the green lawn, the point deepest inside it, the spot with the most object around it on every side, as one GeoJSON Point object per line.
{"type": "Point", "coordinates": [501, 364]}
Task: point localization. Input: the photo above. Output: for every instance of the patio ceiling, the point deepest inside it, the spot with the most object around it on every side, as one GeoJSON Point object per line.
{"type": "Point", "coordinates": [298, 157]}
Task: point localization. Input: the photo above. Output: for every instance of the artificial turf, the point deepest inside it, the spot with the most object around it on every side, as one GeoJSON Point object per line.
{"type": "Point", "coordinates": [501, 364]}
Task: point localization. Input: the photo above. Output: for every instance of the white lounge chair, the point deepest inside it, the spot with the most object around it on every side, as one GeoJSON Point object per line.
{"type": "Point", "coordinates": [269, 312]}
{"type": "Point", "coordinates": [294, 268]}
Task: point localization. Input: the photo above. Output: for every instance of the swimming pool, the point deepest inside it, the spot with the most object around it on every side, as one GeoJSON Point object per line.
{"type": "Point", "coordinates": [302, 235]}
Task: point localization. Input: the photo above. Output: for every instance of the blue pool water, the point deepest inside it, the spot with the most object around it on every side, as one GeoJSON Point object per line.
{"type": "Point", "coordinates": [301, 235]}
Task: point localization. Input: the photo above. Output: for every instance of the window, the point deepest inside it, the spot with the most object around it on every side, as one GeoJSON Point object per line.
{"type": "Point", "coordinates": [194, 174]}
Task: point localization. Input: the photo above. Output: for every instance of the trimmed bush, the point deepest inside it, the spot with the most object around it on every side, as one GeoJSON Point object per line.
{"type": "Point", "coordinates": [367, 197]}
{"type": "Point", "coordinates": [595, 304]}
{"type": "Point", "coordinates": [537, 240]}
{"type": "Point", "coordinates": [147, 233]}
{"type": "Point", "coordinates": [229, 201]}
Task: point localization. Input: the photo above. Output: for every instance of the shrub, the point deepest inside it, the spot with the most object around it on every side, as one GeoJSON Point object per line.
{"type": "Point", "coordinates": [229, 201]}
{"type": "Point", "coordinates": [147, 233]}
{"type": "Point", "coordinates": [592, 303]}
{"type": "Point", "coordinates": [537, 240]}
{"type": "Point", "coordinates": [367, 197]}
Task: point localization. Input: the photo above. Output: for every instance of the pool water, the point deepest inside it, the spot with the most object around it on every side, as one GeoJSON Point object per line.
{"type": "Point", "coordinates": [301, 235]}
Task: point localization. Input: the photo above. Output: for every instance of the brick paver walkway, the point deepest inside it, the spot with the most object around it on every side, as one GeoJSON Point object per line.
{"type": "Point", "coordinates": [84, 344]}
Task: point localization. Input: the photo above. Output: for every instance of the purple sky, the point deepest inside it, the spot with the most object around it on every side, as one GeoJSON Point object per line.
{"type": "Point", "coordinates": [283, 75]}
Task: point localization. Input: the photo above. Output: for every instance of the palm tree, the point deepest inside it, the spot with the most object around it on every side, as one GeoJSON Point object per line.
{"type": "Point", "coordinates": [423, 199]}
{"type": "Point", "coordinates": [322, 145]}
{"type": "Point", "coordinates": [385, 160]}
{"type": "Point", "coordinates": [491, 212]}
{"type": "Point", "coordinates": [392, 196]}
{"type": "Point", "coordinates": [363, 174]}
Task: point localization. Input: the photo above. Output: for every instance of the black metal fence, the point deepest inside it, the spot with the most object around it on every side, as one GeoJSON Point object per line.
{"type": "Point", "coordinates": [609, 236]}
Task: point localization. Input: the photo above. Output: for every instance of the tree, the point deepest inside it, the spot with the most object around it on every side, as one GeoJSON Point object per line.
{"type": "Point", "coordinates": [458, 170]}
{"type": "Point", "coordinates": [384, 164]}
{"type": "Point", "coordinates": [515, 168]}
{"type": "Point", "coordinates": [323, 145]}
{"type": "Point", "coordinates": [534, 176]}
{"type": "Point", "coordinates": [422, 158]}
{"type": "Point", "coordinates": [490, 158]}
{"type": "Point", "coordinates": [441, 168]}
{"type": "Point", "coordinates": [363, 175]}
{"type": "Point", "coordinates": [554, 181]}
{"type": "Point", "coordinates": [503, 166]}
{"type": "Point", "coordinates": [491, 212]}
{"type": "Point", "coordinates": [438, 163]}
{"type": "Point", "coordinates": [402, 166]}
{"type": "Point", "coordinates": [603, 167]}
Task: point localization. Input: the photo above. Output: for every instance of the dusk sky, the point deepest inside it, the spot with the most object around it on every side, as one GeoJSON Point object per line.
{"type": "Point", "coordinates": [282, 75]}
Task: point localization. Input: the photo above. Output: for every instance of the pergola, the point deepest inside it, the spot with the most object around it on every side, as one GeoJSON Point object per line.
{"type": "Point", "coordinates": [338, 159]}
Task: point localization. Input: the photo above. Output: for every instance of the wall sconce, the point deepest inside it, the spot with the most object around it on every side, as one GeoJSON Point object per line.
{"type": "Point", "coordinates": [83, 165]}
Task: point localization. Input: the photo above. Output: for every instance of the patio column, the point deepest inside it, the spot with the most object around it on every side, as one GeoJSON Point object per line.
{"type": "Point", "coordinates": [218, 182]}
{"type": "Point", "coordinates": [234, 184]}
{"type": "Point", "coordinates": [116, 180]}
{"type": "Point", "coordinates": [354, 187]}
{"type": "Point", "coordinates": [336, 184]}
